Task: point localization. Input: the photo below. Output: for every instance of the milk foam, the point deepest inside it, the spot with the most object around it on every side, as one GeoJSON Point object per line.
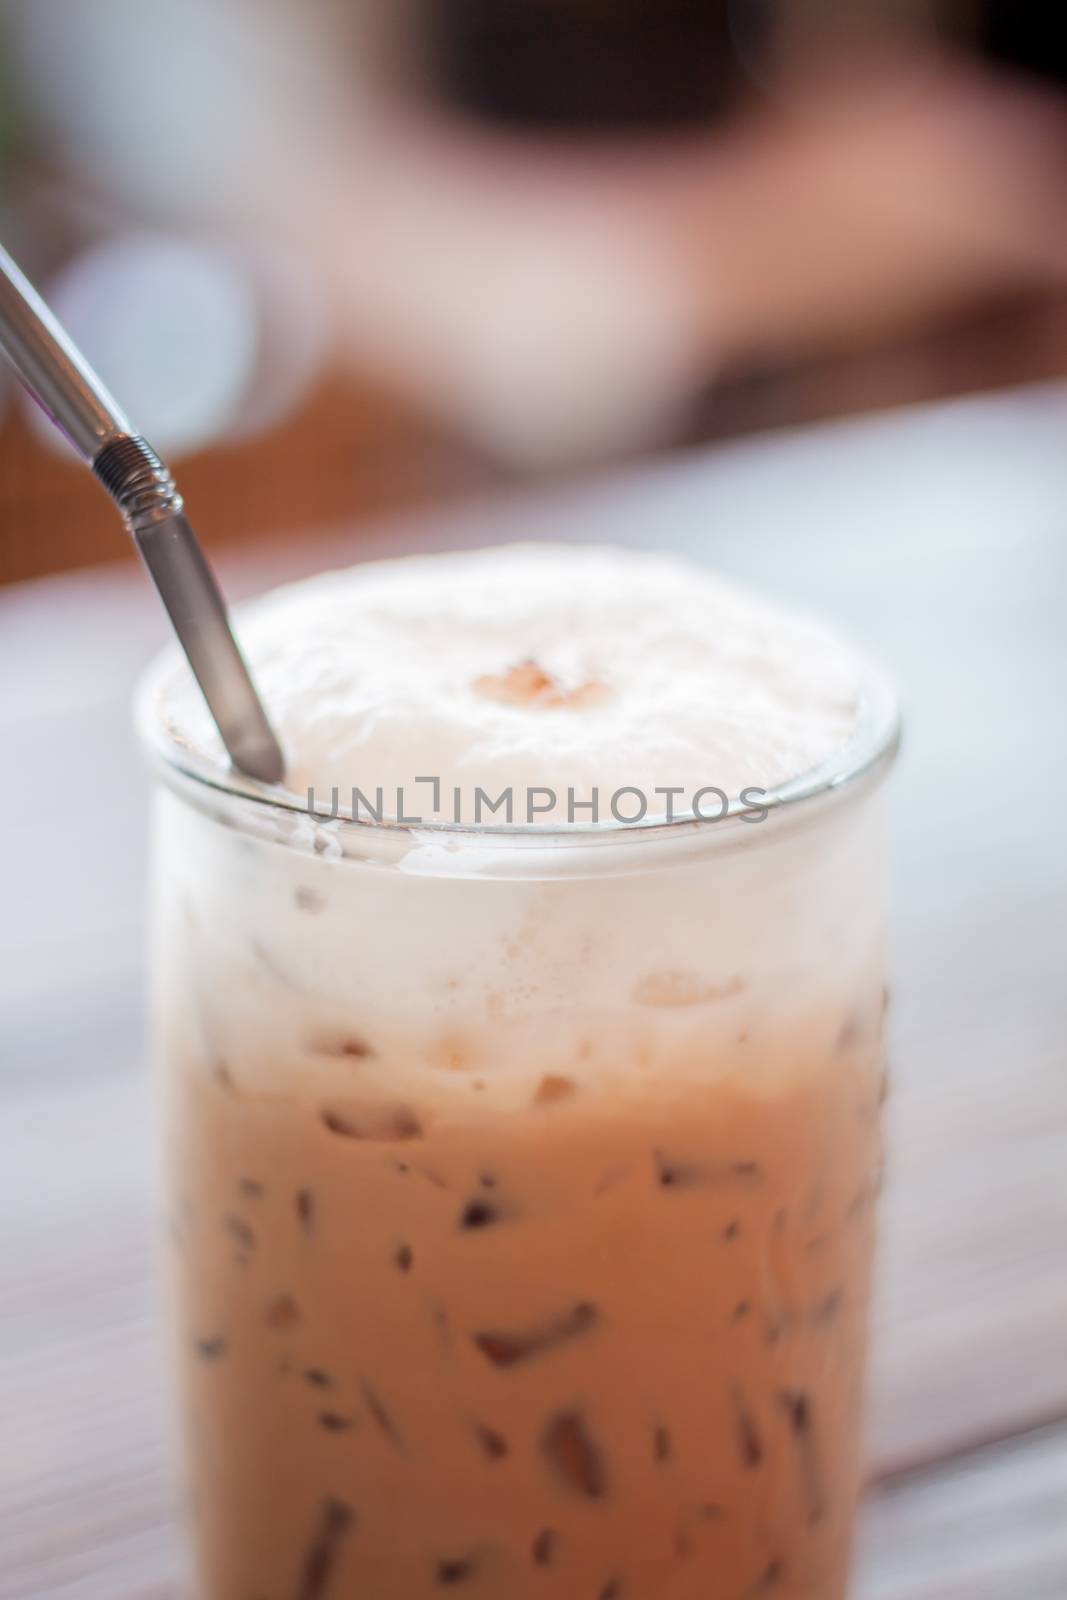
{"type": "Point", "coordinates": [570, 668]}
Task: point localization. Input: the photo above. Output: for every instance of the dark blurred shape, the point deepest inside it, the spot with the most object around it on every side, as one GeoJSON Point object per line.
{"type": "Point", "coordinates": [583, 64]}
{"type": "Point", "coordinates": [625, 65]}
{"type": "Point", "coordinates": [1028, 37]}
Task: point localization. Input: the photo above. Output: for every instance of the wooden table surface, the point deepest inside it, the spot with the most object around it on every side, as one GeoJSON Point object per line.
{"type": "Point", "coordinates": [936, 536]}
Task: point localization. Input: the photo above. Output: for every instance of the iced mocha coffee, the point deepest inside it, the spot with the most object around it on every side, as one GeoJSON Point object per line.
{"type": "Point", "coordinates": [521, 1184]}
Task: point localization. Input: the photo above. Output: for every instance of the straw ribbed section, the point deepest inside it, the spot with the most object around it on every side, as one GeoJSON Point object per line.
{"type": "Point", "coordinates": [137, 481]}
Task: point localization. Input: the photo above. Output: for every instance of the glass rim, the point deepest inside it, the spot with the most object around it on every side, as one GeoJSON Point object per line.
{"type": "Point", "coordinates": [858, 761]}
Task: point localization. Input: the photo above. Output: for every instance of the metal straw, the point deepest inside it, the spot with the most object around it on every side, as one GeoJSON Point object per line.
{"type": "Point", "coordinates": [62, 382]}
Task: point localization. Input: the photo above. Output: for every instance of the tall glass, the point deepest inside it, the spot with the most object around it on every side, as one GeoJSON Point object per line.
{"type": "Point", "coordinates": [522, 1191]}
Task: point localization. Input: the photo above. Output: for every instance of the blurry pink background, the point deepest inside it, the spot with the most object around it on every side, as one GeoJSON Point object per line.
{"type": "Point", "coordinates": [342, 257]}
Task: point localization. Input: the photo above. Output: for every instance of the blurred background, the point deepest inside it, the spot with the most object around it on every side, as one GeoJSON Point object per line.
{"type": "Point", "coordinates": [342, 256]}
{"type": "Point", "coordinates": [781, 284]}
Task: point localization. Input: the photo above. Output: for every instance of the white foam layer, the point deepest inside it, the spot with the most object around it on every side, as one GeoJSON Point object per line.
{"type": "Point", "coordinates": [570, 668]}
